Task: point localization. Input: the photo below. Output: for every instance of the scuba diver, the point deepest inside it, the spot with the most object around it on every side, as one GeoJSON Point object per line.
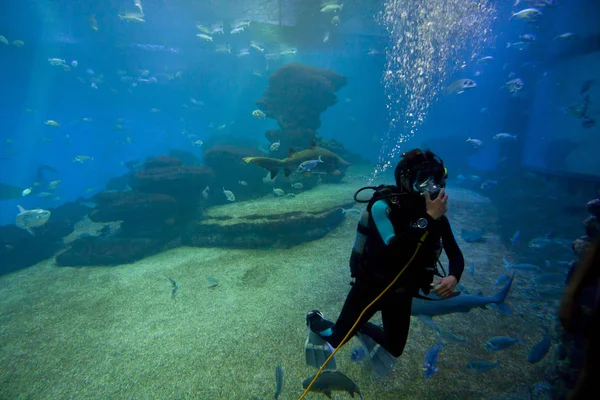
{"type": "Point", "coordinates": [399, 239]}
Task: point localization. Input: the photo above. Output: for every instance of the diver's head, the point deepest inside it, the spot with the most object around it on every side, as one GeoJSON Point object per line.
{"type": "Point", "coordinates": [419, 172]}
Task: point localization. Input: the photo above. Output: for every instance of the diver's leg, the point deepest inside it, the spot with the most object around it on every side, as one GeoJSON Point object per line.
{"type": "Point", "coordinates": [396, 323]}
{"type": "Point", "coordinates": [358, 299]}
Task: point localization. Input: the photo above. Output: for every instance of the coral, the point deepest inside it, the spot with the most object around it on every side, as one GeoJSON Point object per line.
{"type": "Point", "coordinates": [298, 94]}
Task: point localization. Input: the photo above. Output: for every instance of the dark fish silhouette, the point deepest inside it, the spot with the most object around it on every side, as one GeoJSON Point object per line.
{"type": "Point", "coordinates": [331, 162]}
{"type": "Point", "coordinates": [332, 380]}
{"type": "Point", "coordinates": [278, 381]}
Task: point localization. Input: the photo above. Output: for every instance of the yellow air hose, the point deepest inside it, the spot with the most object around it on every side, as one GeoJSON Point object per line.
{"type": "Point", "coordinates": [363, 313]}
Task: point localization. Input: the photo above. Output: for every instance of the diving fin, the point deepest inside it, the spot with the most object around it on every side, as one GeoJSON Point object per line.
{"type": "Point", "coordinates": [317, 351]}
{"type": "Point", "coordinates": [380, 359]}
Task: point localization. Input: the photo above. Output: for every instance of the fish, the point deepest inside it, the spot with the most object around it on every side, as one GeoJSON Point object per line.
{"type": "Point", "coordinates": [458, 304]}
{"type": "Point", "coordinates": [488, 184]}
{"type": "Point", "coordinates": [430, 363]}
{"type": "Point", "coordinates": [93, 23]}
{"type": "Point", "coordinates": [472, 235]}
{"type": "Point", "coordinates": [485, 59]}
{"type": "Point", "coordinates": [475, 142]}
{"type": "Point", "coordinates": [82, 159]}
{"type": "Point", "coordinates": [472, 269]}
{"type": "Point", "coordinates": [515, 237]}
{"type": "Point", "coordinates": [52, 123]}
{"type": "Point", "coordinates": [528, 14]}
{"type": "Point", "coordinates": [502, 279]}
{"type": "Point", "coordinates": [460, 86]}
{"type": "Point", "coordinates": [229, 195]}
{"type": "Point", "coordinates": [540, 242]}
{"type": "Point", "coordinates": [330, 381]}
{"type": "Point", "coordinates": [34, 218]}
{"type": "Point", "coordinates": [274, 146]}
{"type": "Point", "coordinates": [520, 267]}
{"type": "Point", "coordinates": [131, 17]}
{"type": "Point", "coordinates": [528, 37]}
{"type": "Point", "coordinates": [289, 52]}
{"type": "Point", "coordinates": [514, 85]}
{"type": "Point", "coordinates": [504, 137]}
{"type": "Point", "coordinates": [332, 8]}
{"type": "Point", "coordinates": [3, 40]}
{"type": "Point", "coordinates": [517, 45]}
{"type": "Point", "coordinates": [480, 366]}
{"type": "Point", "coordinates": [278, 381]}
{"type": "Point", "coordinates": [307, 166]}
{"type": "Point", "coordinates": [540, 349]}
{"type": "Point", "coordinates": [204, 36]}
{"type": "Point", "coordinates": [501, 342]}
{"type": "Point", "coordinates": [567, 36]}
{"type": "Point", "coordinates": [331, 162]}
{"type": "Point", "coordinates": [359, 355]}
{"type": "Point", "coordinates": [138, 4]}
{"type": "Point", "coordinates": [259, 114]}
{"type": "Point", "coordinates": [175, 287]}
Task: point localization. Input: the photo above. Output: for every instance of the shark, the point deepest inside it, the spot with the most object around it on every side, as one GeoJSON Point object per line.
{"type": "Point", "coordinates": [461, 303]}
{"type": "Point", "coordinates": [331, 162]}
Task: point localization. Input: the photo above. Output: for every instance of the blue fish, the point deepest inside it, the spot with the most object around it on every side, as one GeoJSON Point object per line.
{"type": "Point", "coordinates": [501, 342]}
{"type": "Point", "coordinates": [472, 235]}
{"type": "Point", "coordinates": [306, 166]}
{"type": "Point", "coordinates": [278, 381]}
{"type": "Point", "coordinates": [540, 349]}
{"type": "Point", "coordinates": [481, 366]}
{"type": "Point", "coordinates": [358, 355]}
{"type": "Point", "coordinates": [431, 357]}
{"type": "Point", "coordinates": [515, 237]}
{"type": "Point", "coordinates": [520, 267]}
{"type": "Point", "coordinates": [502, 280]}
{"type": "Point", "coordinates": [458, 304]}
{"type": "Point", "coordinates": [472, 269]}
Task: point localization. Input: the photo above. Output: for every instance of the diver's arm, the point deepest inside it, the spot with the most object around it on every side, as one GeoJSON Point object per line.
{"type": "Point", "coordinates": [385, 228]}
{"type": "Point", "coordinates": [456, 261]}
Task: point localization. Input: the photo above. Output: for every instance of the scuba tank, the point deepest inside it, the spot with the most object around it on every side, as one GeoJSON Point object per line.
{"type": "Point", "coordinates": [363, 231]}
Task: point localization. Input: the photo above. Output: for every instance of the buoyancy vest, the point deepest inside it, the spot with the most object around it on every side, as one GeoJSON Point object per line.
{"type": "Point", "coordinates": [374, 260]}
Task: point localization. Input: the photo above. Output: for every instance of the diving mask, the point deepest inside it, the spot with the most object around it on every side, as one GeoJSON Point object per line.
{"type": "Point", "coordinates": [429, 184]}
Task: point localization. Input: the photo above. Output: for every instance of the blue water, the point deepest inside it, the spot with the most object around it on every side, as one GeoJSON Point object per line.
{"type": "Point", "coordinates": [190, 89]}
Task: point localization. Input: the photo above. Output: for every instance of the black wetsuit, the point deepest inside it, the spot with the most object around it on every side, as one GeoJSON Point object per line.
{"type": "Point", "coordinates": [393, 252]}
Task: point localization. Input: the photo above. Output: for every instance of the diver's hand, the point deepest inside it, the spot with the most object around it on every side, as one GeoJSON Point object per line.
{"type": "Point", "coordinates": [438, 207]}
{"type": "Point", "coordinates": [444, 287]}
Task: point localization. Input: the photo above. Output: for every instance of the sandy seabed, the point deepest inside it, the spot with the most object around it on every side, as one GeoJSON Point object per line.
{"type": "Point", "coordinates": [117, 332]}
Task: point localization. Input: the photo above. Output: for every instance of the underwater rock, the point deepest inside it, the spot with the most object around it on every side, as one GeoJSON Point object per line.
{"type": "Point", "coordinates": [166, 175]}
{"type": "Point", "coordinates": [298, 94]}
{"type": "Point", "coordinates": [232, 173]}
{"type": "Point", "coordinates": [272, 222]}
{"type": "Point", "coordinates": [98, 251]}
{"type": "Point", "coordinates": [136, 210]}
